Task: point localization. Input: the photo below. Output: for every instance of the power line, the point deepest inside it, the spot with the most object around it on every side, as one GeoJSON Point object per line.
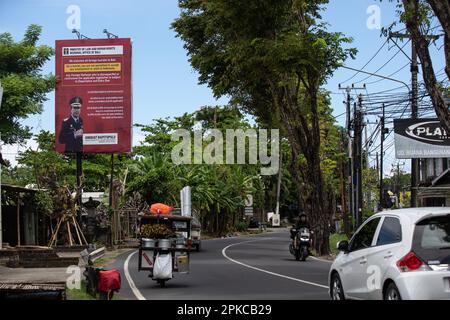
{"type": "Point", "coordinates": [376, 81]}
{"type": "Point", "coordinates": [370, 60]}
{"type": "Point", "coordinates": [385, 64]}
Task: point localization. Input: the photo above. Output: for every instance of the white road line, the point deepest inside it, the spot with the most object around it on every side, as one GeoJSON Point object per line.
{"type": "Point", "coordinates": [266, 271]}
{"type": "Point", "coordinates": [319, 259]}
{"type": "Point", "coordinates": [133, 287]}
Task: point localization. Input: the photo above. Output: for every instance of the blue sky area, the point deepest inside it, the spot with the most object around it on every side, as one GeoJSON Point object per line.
{"type": "Point", "coordinates": [164, 84]}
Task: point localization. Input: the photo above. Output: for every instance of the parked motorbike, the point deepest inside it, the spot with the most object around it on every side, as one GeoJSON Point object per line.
{"type": "Point", "coordinates": [301, 241]}
{"type": "Point", "coordinates": [102, 282]}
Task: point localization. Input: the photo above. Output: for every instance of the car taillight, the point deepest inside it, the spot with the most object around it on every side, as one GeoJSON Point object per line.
{"type": "Point", "coordinates": [411, 262]}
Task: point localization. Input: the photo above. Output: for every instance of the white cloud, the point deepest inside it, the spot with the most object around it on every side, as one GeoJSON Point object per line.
{"type": "Point", "coordinates": [10, 152]}
{"type": "Point", "coordinates": [138, 136]}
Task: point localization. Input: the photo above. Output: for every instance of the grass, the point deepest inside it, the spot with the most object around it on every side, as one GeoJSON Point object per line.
{"type": "Point", "coordinates": [81, 294]}
{"type": "Point", "coordinates": [100, 263]}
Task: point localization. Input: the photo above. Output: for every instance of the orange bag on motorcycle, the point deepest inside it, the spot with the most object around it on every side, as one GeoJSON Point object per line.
{"type": "Point", "coordinates": [160, 208]}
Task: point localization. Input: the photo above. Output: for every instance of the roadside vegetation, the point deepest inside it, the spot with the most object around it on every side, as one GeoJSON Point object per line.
{"type": "Point", "coordinates": [272, 60]}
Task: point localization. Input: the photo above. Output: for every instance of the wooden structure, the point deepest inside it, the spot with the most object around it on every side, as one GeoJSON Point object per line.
{"type": "Point", "coordinates": [69, 221]}
{"type": "Point", "coordinates": [437, 193]}
{"type": "Point", "coordinates": [23, 228]}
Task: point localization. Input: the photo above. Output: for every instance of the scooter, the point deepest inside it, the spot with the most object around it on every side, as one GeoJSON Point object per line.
{"type": "Point", "coordinates": [299, 246]}
{"type": "Point", "coordinates": [96, 283]}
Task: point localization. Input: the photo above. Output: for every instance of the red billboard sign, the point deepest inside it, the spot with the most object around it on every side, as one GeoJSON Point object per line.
{"type": "Point", "coordinates": [93, 110]}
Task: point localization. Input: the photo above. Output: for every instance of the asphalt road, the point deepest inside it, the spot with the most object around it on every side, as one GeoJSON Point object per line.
{"type": "Point", "coordinates": [254, 267]}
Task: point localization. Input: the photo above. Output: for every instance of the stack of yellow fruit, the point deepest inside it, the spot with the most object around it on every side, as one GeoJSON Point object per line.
{"type": "Point", "coordinates": [156, 231]}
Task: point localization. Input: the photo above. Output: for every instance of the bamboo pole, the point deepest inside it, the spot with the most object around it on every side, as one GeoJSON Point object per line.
{"type": "Point", "coordinates": [55, 233]}
{"type": "Point", "coordinates": [76, 229]}
{"type": "Point", "coordinates": [81, 232]}
{"type": "Point", "coordinates": [70, 233]}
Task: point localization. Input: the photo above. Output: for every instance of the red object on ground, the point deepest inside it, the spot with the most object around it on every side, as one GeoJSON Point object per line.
{"type": "Point", "coordinates": [160, 208]}
{"type": "Point", "coordinates": [109, 280]}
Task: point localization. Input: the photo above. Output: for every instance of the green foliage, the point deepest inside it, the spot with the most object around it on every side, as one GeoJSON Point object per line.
{"type": "Point", "coordinates": [46, 168]}
{"type": "Point", "coordinates": [44, 203]}
{"type": "Point", "coordinates": [218, 191]}
{"type": "Point", "coordinates": [238, 47]}
{"type": "Point", "coordinates": [271, 58]}
{"type": "Point", "coordinates": [25, 88]}
{"type": "Point", "coordinates": [241, 226]}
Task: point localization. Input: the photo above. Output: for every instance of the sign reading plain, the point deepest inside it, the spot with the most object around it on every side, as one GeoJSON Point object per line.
{"type": "Point", "coordinates": [420, 138]}
{"type": "Point", "coordinates": [93, 96]}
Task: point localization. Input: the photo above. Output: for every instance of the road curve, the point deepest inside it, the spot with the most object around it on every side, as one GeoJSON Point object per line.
{"type": "Point", "coordinates": [256, 267]}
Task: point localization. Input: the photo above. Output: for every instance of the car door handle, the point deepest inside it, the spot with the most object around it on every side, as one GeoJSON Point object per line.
{"type": "Point", "coordinates": [389, 255]}
{"type": "Point", "coordinates": [363, 261]}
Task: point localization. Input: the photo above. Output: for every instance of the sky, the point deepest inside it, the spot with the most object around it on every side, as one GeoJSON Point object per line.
{"type": "Point", "coordinates": [164, 83]}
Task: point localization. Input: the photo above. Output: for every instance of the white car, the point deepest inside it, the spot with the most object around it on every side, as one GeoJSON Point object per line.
{"type": "Point", "coordinates": [394, 255]}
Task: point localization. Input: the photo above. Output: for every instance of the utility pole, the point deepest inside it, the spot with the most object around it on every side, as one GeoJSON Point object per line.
{"type": "Point", "coordinates": [343, 173]}
{"type": "Point", "coordinates": [377, 167]}
{"type": "Point", "coordinates": [349, 170]}
{"type": "Point", "coordinates": [357, 143]}
{"type": "Point", "coordinates": [383, 131]}
{"type": "Point", "coordinates": [415, 167]}
{"type": "Point", "coordinates": [355, 155]}
{"type": "Point", "coordinates": [414, 113]}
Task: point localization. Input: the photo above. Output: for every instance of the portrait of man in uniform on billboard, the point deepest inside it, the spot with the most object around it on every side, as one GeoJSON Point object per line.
{"type": "Point", "coordinates": [71, 133]}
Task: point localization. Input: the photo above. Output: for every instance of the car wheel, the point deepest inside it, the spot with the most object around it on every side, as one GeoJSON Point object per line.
{"type": "Point", "coordinates": [392, 292]}
{"type": "Point", "coordinates": [337, 292]}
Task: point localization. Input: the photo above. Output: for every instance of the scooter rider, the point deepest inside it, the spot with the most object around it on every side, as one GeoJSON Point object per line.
{"type": "Point", "coordinates": [302, 222]}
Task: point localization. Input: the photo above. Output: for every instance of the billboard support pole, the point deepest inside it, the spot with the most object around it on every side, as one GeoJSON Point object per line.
{"type": "Point", "coordinates": [111, 181]}
{"type": "Point", "coordinates": [79, 156]}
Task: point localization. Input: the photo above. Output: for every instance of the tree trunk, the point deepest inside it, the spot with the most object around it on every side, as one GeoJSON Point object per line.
{"type": "Point", "coordinates": [421, 42]}
{"type": "Point", "coordinates": [441, 9]}
{"type": "Point", "coordinates": [305, 139]}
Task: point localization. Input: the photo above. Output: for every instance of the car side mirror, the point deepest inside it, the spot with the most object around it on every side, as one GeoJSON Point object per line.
{"type": "Point", "coordinates": [343, 246]}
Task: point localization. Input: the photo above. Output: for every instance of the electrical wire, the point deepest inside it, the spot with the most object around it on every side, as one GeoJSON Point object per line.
{"type": "Point", "coordinates": [367, 63]}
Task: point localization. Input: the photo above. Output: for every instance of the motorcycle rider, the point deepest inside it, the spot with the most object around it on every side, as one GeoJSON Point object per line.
{"type": "Point", "coordinates": [302, 222]}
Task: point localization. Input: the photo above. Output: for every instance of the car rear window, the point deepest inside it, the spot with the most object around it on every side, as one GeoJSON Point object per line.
{"type": "Point", "coordinates": [391, 231]}
{"type": "Point", "coordinates": [432, 240]}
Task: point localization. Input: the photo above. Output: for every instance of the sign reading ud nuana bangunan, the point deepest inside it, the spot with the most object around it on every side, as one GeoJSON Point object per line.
{"type": "Point", "coordinates": [93, 110]}
{"type": "Point", "coordinates": [420, 138]}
